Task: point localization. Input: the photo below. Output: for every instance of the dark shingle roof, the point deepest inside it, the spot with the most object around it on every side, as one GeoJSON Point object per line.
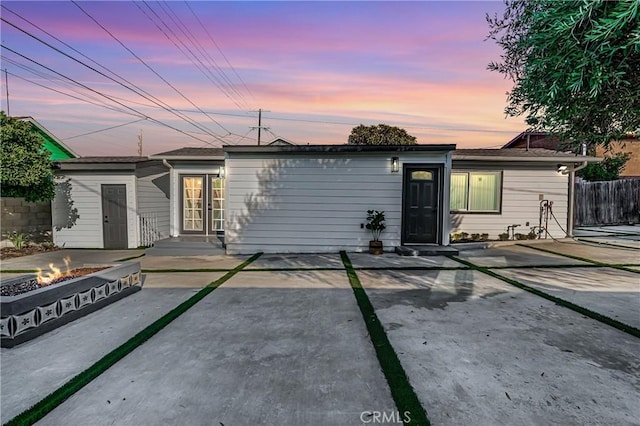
{"type": "Point", "coordinates": [513, 152]}
{"type": "Point", "coordinates": [191, 152]}
{"type": "Point", "coordinates": [533, 154]}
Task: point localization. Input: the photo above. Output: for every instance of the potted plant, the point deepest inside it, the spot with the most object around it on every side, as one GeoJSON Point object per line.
{"type": "Point", "coordinates": [375, 224]}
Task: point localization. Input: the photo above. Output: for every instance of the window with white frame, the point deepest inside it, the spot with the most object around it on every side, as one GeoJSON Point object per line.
{"type": "Point", "coordinates": [475, 191]}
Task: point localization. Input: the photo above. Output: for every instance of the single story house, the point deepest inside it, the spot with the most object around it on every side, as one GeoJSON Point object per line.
{"type": "Point", "coordinates": [314, 198]}
{"type": "Point", "coordinates": [110, 202]}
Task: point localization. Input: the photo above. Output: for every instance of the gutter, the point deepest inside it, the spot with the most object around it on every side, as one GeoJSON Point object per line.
{"type": "Point", "coordinates": [572, 182]}
{"type": "Point", "coordinates": [172, 219]}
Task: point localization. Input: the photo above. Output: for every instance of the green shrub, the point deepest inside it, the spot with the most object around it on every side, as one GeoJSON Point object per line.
{"type": "Point", "coordinates": [19, 240]}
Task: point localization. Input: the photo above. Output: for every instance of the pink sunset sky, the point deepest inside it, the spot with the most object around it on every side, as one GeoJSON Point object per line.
{"type": "Point", "coordinates": [194, 74]}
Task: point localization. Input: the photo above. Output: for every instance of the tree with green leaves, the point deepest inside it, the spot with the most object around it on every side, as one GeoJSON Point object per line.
{"type": "Point", "coordinates": [25, 169]}
{"type": "Point", "coordinates": [608, 169]}
{"type": "Point", "coordinates": [575, 65]}
{"type": "Point", "coordinates": [381, 134]}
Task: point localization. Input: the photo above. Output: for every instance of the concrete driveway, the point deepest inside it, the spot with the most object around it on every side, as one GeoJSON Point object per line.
{"type": "Point", "coordinates": [283, 342]}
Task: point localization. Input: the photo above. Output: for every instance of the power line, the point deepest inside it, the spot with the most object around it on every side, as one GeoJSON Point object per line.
{"type": "Point", "coordinates": [146, 65]}
{"type": "Point", "coordinates": [219, 50]}
{"type": "Point", "coordinates": [101, 94]}
{"type": "Point", "coordinates": [105, 129]}
{"type": "Point", "coordinates": [88, 98]}
{"type": "Point", "coordinates": [100, 104]}
{"type": "Point", "coordinates": [260, 126]}
{"type": "Point", "coordinates": [201, 67]}
{"type": "Point", "coordinates": [144, 94]}
{"type": "Point", "coordinates": [196, 43]}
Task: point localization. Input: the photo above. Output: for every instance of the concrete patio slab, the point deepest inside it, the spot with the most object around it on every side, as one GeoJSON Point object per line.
{"type": "Point", "coordinates": [605, 241]}
{"type": "Point", "coordinates": [78, 258]}
{"type": "Point", "coordinates": [486, 353]}
{"type": "Point", "coordinates": [191, 262]}
{"type": "Point", "coordinates": [604, 254]}
{"type": "Point", "coordinates": [515, 256]}
{"type": "Point", "coordinates": [192, 280]}
{"type": "Point", "coordinates": [621, 230]}
{"type": "Point", "coordinates": [303, 261]}
{"type": "Point", "coordinates": [285, 348]}
{"type": "Point", "coordinates": [607, 291]}
{"type": "Point", "coordinates": [386, 260]}
{"type": "Point", "coordinates": [36, 368]}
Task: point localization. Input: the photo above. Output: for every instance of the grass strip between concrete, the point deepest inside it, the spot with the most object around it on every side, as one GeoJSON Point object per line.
{"type": "Point", "coordinates": [130, 258]}
{"type": "Point", "coordinates": [170, 271]}
{"type": "Point", "coordinates": [57, 397]}
{"type": "Point", "coordinates": [581, 310]}
{"type": "Point", "coordinates": [584, 259]}
{"type": "Point", "coordinates": [403, 394]}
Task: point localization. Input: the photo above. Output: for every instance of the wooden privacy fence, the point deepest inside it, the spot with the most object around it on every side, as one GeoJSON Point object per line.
{"type": "Point", "coordinates": [607, 203]}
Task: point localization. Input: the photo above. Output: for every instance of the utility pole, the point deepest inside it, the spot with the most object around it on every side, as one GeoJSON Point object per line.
{"type": "Point", "coordinates": [260, 127]}
{"type": "Point", "coordinates": [140, 144]}
{"type": "Point", "coordinates": [6, 85]}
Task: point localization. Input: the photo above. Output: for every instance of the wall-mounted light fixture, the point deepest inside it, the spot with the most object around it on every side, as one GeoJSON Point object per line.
{"type": "Point", "coordinates": [222, 172]}
{"type": "Point", "coordinates": [395, 164]}
{"type": "Point", "coordinates": [561, 168]}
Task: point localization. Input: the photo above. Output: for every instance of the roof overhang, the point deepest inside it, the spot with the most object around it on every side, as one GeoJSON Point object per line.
{"type": "Point", "coordinates": [186, 157]}
{"type": "Point", "coordinates": [527, 159]}
{"type": "Point", "coordinates": [336, 149]}
{"type": "Point", "coordinates": [105, 164]}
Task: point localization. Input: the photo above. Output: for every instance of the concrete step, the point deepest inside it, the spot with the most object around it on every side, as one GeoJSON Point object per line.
{"type": "Point", "coordinates": [426, 250]}
{"type": "Point", "coordinates": [190, 242]}
{"type": "Point", "coordinates": [187, 246]}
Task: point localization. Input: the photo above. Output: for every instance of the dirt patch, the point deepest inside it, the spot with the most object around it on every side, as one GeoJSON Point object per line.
{"type": "Point", "coordinates": [10, 252]}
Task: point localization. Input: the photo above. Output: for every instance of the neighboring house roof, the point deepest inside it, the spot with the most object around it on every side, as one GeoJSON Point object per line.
{"type": "Point", "coordinates": [189, 153]}
{"type": "Point", "coordinates": [280, 141]}
{"type": "Point", "coordinates": [536, 140]}
{"type": "Point", "coordinates": [518, 154]}
{"type": "Point", "coordinates": [55, 146]}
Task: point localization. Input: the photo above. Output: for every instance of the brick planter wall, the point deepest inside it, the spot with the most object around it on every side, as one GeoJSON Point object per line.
{"type": "Point", "coordinates": [30, 218]}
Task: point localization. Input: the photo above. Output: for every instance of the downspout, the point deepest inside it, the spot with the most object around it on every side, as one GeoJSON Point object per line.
{"type": "Point", "coordinates": [572, 180]}
{"type": "Point", "coordinates": [528, 140]}
{"type": "Point", "coordinates": [172, 219]}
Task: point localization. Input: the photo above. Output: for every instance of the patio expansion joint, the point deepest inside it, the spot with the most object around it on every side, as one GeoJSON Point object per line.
{"type": "Point", "coordinates": [401, 390]}
{"type": "Point", "coordinates": [570, 305]}
{"type": "Point", "coordinates": [57, 397]}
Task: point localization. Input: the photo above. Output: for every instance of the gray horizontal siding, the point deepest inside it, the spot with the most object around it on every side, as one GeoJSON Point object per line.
{"type": "Point", "coordinates": [80, 196]}
{"type": "Point", "coordinates": [152, 201]}
{"type": "Point", "coordinates": [520, 204]}
{"type": "Point", "coordinates": [311, 204]}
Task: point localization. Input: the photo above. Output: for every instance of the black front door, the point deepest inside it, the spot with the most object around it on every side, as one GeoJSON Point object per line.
{"type": "Point", "coordinates": [421, 204]}
{"type": "Point", "coordinates": [114, 216]}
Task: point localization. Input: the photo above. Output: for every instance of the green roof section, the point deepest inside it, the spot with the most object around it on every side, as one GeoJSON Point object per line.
{"type": "Point", "coordinates": [58, 150]}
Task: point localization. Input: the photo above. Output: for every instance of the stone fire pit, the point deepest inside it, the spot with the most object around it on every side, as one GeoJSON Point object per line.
{"type": "Point", "coordinates": [31, 314]}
